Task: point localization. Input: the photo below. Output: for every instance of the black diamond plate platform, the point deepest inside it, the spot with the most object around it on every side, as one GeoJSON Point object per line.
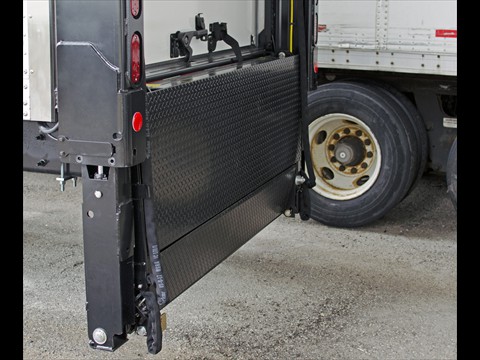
{"type": "Point", "coordinates": [188, 259]}
{"type": "Point", "coordinates": [215, 141]}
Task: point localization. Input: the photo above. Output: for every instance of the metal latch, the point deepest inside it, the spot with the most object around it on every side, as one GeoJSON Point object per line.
{"type": "Point", "coordinates": [180, 40]}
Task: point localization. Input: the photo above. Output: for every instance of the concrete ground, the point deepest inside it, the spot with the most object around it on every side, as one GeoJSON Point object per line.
{"type": "Point", "coordinates": [297, 290]}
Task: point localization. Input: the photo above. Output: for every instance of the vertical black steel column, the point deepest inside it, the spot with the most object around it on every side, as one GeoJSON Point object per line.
{"type": "Point", "coordinates": [108, 250]}
{"type": "Point", "coordinates": [97, 102]}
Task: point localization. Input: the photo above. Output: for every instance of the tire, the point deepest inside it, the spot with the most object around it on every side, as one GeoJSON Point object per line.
{"type": "Point", "coordinates": [411, 113]}
{"type": "Point", "coordinates": [452, 173]}
{"type": "Point", "coordinates": [383, 153]}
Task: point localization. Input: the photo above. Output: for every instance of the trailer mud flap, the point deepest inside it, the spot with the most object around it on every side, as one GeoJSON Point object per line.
{"type": "Point", "coordinates": [222, 157]}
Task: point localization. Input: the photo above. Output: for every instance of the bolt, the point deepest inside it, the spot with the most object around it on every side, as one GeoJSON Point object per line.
{"type": "Point", "coordinates": [358, 133]}
{"type": "Point", "coordinates": [288, 212]}
{"type": "Point", "coordinates": [346, 131]}
{"type": "Point", "coordinates": [341, 168]}
{"type": "Point", "coordinates": [61, 138]}
{"type": "Point", "coordinates": [331, 147]}
{"type": "Point", "coordinates": [25, 103]}
{"type": "Point", "coordinates": [98, 194]}
{"type": "Point", "coordinates": [141, 331]}
{"type": "Point", "coordinates": [354, 170]}
{"type": "Point", "coordinates": [364, 165]}
{"type": "Point", "coordinates": [25, 86]}
{"type": "Point", "coordinates": [299, 180]}
{"type": "Point", "coordinates": [333, 159]}
{"type": "Point", "coordinates": [32, 71]}
{"type": "Point", "coordinates": [281, 55]}
{"type": "Point", "coordinates": [369, 154]}
{"type": "Point", "coordinates": [25, 113]}
{"type": "Point", "coordinates": [63, 153]}
{"type": "Point", "coordinates": [25, 72]}
{"type": "Point", "coordinates": [336, 136]}
{"type": "Point", "coordinates": [367, 142]}
{"type": "Point", "coordinates": [99, 336]}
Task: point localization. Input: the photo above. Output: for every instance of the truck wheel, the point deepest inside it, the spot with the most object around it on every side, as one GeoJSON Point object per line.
{"type": "Point", "coordinates": [363, 154]}
{"type": "Point", "coordinates": [411, 113]}
{"type": "Point", "coordinates": [452, 173]}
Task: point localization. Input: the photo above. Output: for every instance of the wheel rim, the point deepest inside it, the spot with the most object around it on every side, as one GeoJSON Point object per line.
{"type": "Point", "coordinates": [346, 156]}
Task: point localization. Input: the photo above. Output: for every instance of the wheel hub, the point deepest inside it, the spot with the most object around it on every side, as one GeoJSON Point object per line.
{"type": "Point", "coordinates": [345, 156]}
{"type": "Point", "coordinates": [349, 151]}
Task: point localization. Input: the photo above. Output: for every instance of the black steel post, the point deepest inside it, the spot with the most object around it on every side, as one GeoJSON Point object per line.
{"type": "Point", "coordinates": [98, 101]}
{"type": "Point", "coordinates": [108, 250]}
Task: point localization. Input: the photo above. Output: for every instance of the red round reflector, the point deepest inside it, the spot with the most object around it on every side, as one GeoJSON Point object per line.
{"type": "Point", "coordinates": [137, 121]}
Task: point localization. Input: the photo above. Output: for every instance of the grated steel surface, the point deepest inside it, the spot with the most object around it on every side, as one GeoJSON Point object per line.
{"type": "Point", "coordinates": [214, 141]}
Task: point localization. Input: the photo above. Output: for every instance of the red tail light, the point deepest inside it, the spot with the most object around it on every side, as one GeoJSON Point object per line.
{"type": "Point", "coordinates": [135, 56]}
{"type": "Point", "coordinates": [135, 8]}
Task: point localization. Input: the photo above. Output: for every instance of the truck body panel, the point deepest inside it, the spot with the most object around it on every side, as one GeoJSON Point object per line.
{"type": "Point", "coordinates": [38, 100]}
{"type": "Point", "coordinates": [244, 18]}
{"type": "Point", "coordinates": [398, 36]}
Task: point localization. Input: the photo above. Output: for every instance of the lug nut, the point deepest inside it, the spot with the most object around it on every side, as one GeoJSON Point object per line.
{"type": "Point", "coordinates": [333, 159]}
{"type": "Point", "coordinates": [331, 147]}
{"type": "Point", "coordinates": [369, 154]}
{"type": "Point", "coordinates": [364, 165]}
{"type": "Point", "coordinates": [354, 170]}
{"type": "Point", "coordinates": [367, 142]}
{"type": "Point", "coordinates": [359, 133]}
{"type": "Point", "coordinates": [346, 131]}
{"type": "Point", "coordinates": [341, 168]}
{"type": "Point", "coordinates": [336, 136]}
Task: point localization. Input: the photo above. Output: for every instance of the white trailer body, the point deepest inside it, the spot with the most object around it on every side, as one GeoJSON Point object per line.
{"type": "Point", "coordinates": [403, 36]}
{"type": "Point", "coordinates": [37, 61]}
